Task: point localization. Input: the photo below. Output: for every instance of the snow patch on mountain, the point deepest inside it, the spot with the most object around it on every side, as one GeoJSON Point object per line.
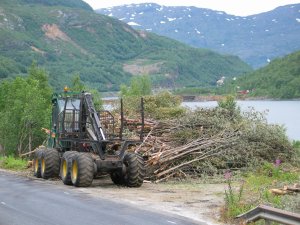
{"type": "Point", "coordinates": [133, 24]}
{"type": "Point", "coordinates": [197, 31]}
{"type": "Point", "coordinates": [171, 19]}
{"type": "Point", "coordinates": [160, 9]}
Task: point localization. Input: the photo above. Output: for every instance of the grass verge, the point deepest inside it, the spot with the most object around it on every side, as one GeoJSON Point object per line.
{"type": "Point", "coordinates": [12, 163]}
{"type": "Point", "coordinates": [254, 188]}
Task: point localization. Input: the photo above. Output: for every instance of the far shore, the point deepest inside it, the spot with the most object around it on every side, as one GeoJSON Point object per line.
{"type": "Point", "coordinates": [207, 98]}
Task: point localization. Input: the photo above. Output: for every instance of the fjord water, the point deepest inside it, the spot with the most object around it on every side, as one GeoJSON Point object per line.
{"type": "Point", "coordinates": [286, 113]}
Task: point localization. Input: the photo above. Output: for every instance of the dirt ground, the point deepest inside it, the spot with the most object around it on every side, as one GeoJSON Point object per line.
{"type": "Point", "coordinates": [192, 199]}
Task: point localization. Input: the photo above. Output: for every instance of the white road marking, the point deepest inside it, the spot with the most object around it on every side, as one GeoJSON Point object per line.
{"type": "Point", "coordinates": [67, 193]}
{"type": "Point", "coordinates": [171, 222]}
{"type": "Point", "coordinates": [3, 203]}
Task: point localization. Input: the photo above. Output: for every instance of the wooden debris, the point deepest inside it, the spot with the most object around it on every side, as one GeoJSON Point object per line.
{"type": "Point", "coordinates": [286, 190]}
{"type": "Point", "coordinates": [28, 153]}
{"type": "Point", "coordinates": [167, 159]}
{"type": "Point", "coordinates": [29, 164]}
{"type": "Point", "coordinates": [204, 141]}
{"type": "Point", "coordinates": [294, 188]}
{"type": "Point", "coordinates": [278, 191]}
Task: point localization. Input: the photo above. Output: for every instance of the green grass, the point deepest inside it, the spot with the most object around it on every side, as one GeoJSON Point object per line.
{"type": "Point", "coordinates": [255, 189]}
{"type": "Point", "coordinates": [12, 163]}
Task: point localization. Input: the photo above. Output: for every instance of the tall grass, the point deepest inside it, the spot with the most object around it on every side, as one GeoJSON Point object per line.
{"type": "Point", "coordinates": [12, 163]}
{"type": "Point", "coordinates": [255, 189]}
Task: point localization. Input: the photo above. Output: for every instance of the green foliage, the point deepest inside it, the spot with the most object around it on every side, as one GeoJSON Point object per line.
{"type": "Point", "coordinates": [255, 189]}
{"type": "Point", "coordinates": [12, 163]}
{"type": "Point", "coordinates": [98, 47]}
{"type": "Point", "coordinates": [69, 3]}
{"type": "Point", "coordinates": [7, 67]}
{"type": "Point", "coordinates": [162, 105]}
{"type": "Point", "coordinates": [280, 79]}
{"type": "Point", "coordinates": [228, 103]}
{"type": "Point", "coordinates": [234, 204]}
{"type": "Point", "coordinates": [78, 86]}
{"type": "Point", "coordinates": [254, 140]}
{"type": "Point", "coordinates": [196, 91]}
{"type": "Point", "coordinates": [296, 146]}
{"type": "Point", "coordinates": [139, 86]}
{"type": "Point", "coordinates": [24, 110]}
{"type": "Point", "coordinates": [97, 99]}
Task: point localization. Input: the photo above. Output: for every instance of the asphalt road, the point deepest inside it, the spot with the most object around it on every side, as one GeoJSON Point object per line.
{"type": "Point", "coordinates": [24, 201]}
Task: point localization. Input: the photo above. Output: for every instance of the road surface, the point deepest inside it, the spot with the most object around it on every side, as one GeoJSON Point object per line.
{"type": "Point", "coordinates": [25, 201]}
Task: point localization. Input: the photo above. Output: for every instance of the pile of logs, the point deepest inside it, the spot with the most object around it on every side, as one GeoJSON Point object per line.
{"type": "Point", "coordinates": [165, 158]}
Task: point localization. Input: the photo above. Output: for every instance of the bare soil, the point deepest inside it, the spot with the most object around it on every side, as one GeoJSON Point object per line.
{"type": "Point", "coordinates": [192, 199]}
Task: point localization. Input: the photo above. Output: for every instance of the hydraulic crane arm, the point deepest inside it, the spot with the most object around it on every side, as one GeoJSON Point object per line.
{"type": "Point", "coordinates": [96, 127]}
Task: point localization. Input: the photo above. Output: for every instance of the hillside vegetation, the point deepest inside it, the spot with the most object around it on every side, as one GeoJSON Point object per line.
{"type": "Point", "coordinates": [256, 39]}
{"type": "Point", "coordinates": [280, 79]}
{"type": "Point", "coordinates": [66, 37]}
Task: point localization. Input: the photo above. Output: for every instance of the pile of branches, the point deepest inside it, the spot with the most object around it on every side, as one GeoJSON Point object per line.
{"type": "Point", "coordinates": [208, 141]}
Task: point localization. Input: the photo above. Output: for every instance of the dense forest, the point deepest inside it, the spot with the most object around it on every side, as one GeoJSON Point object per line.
{"type": "Point", "coordinates": [67, 37]}
{"type": "Point", "coordinates": [280, 79]}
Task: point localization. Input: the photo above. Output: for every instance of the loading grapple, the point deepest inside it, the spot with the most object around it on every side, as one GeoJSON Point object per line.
{"type": "Point", "coordinates": [79, 148]}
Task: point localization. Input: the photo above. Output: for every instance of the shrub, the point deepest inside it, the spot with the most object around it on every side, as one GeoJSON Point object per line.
{"type": "Point", "coordinates": [163, 105]}
{"type": "Point", "coordinates": [139, 86]}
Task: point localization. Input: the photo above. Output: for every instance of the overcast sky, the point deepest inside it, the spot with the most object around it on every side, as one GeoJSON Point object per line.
{"type": "Point", "coordinates": [235, 7]}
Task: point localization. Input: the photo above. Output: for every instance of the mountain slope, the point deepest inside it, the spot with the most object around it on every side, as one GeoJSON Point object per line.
{"type": "Point", "coordinates": [69, 3]}
{"type": "Point", "coordinates": [66, 37]}
{"type": "Point", "coordinates": [280, 79]}
{"type": "Point", "coordinates": [256, 39]}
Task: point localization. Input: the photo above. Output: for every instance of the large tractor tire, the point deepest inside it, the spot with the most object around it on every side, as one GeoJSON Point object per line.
{"type": "Point", "coordinates": [37, 163]}
{"type": "Point", "coordinates": [50, 162]}
{"type": "Point", "coordinates": [82, 172]}
{"type": "Point", "coordinates": [117, 177]}
{"type": "Point", "coordinates": [134, 170]}
{"type": "Point", "coordinates": [66, 167]}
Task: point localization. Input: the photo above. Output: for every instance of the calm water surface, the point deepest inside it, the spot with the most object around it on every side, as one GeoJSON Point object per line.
{"type": "Point", "coordinates": [286, 113]}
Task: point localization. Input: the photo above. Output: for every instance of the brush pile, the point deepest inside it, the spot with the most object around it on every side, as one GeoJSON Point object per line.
{"type": "Point", "coordinates": [209, 141]}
